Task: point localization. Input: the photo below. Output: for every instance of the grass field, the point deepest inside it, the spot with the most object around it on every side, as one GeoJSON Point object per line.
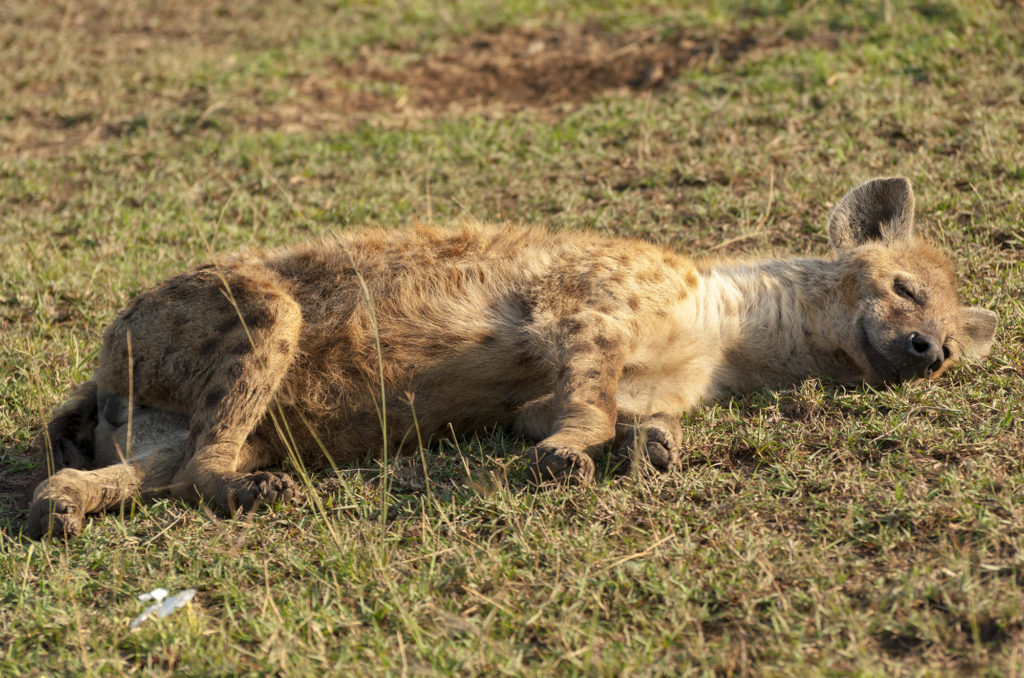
{"type": "Point", "coordinates": [819, 530]}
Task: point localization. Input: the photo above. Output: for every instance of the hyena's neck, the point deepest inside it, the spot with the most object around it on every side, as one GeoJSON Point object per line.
{"type": "Point", "coordinates": [778, 322]}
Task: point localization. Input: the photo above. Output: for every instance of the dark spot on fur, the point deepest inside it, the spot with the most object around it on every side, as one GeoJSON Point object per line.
{"type": "Point", "coordinates": [217, 431]}
{"type": "Point", "coordinates": [579, 289]}
{"type": "Point", "coordinates": [237, 369]}
{"type": "Point", "coordinates": [242, 288]}
{"type": "Point", "coordinates": [572, 325]}
{"type": "Point", "coordinates": [214, 397]}
{"type": "Point", "coordinates": [605, 400]}
{"type": "Point", "coordinates": [525, 307]}
{"type": "Point", "coordinates": [241, 348]}
{"type": "Point", "coordinates": [228, 324]}
{"type": "Point", "coordinates": [593, 374]}
{"type": "Point", "coordinates": [258, 318]}
{"type": "Point", "coordinates": [603, 342]}
{"type": "Point", "coordinates": [210, 345]}
{"type": "Point", "coordinates": [582, 346]}
{"type": "Point", "coordinates": [206, 378]}
{"type": "Point", "coordinates": [487, 338]}
{"type": "Point", "coordinates": [634, 302]}
{"type": "Point", "coordinates": [284, 346]}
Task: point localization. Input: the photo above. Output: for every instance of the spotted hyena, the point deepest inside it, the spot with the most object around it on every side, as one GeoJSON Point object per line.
{"type": "Point", "coordinates": [577, 341]}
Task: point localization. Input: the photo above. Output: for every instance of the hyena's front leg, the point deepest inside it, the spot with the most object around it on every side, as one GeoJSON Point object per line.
{"type": "Point", "coordinates": [588, 365]}
{"type": "Point", "coordinates": [235, 333]}
{"type": "Point", "coordinates": [652, 438]}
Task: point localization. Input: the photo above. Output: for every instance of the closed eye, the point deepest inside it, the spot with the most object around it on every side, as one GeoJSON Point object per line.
{"type": "Point", "coordinates": [900, 288]}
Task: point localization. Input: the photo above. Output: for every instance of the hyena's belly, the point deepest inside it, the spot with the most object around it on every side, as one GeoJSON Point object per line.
{"type": "Point", "coordinates": [437, 403]}
{"type": "Point", "coordinates": [141, 436]}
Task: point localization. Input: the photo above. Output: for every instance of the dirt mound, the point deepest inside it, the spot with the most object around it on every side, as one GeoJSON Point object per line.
{"type": "Point", "coordinates": [512, 69]}
{"type": "Point", "coordinates": [527, 68]}
{"type": "Point", "coordinates": [508, 69]}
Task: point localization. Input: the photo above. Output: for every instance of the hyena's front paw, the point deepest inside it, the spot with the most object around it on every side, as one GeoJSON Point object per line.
{"type": "Point", "coordinates": [250, 491]}
{"type": "Point", "coordinates": [656, 440]}
{"type": "Point", "coordinates": [57, 516]}
{"type": "Point", "coordinates": [563, 464]}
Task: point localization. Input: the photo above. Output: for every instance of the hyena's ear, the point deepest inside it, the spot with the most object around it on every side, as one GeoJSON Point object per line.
{"type": "Point", "coordinates": [881, 209]}
{"type": "Point", "coordinates": [978, 330]}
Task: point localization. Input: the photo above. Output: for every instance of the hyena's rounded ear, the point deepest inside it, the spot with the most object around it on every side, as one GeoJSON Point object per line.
{"type": "Point", "coordinates": [880, 210]}
{"type": "Point", "coordinates": [978, 330]}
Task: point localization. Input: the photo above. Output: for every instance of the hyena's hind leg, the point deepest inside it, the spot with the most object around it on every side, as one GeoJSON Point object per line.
{"type": "Point", "coordinates": [236, 393]}
{"type": "Point", "coordinates": [214, 343]}
{"type": "Point", "coordinates": [142, 466]}
{"type": "Point", "coordinates": [653, 439]}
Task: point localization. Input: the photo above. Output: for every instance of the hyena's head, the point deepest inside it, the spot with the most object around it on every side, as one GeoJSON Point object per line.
{"type": "Point", "coordinates": [901, 316]}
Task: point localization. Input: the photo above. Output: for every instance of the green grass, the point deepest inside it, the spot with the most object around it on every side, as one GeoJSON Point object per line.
{"type": "Point", "coordinates": [818, 530]}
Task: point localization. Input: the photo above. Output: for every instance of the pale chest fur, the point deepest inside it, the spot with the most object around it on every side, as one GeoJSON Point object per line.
{"type": "Point", "coordinates": [738, 328]}
{"type": "Point", "coordinates": [672, 356]}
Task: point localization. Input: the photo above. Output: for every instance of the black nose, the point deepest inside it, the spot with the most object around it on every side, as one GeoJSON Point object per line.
{"type": "Point", "coordinates": [924, 351]}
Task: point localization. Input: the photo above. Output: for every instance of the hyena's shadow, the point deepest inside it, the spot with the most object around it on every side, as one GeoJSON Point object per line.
{"type": "Point", "coordinates": [16, 484]}
{"type": "Point", "coordinates": [759, 431]}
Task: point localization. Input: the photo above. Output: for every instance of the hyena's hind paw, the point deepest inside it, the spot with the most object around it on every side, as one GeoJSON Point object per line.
{"type": "Point", "coordinates": [655, 439]}
{"type": "Point", "coordinates": [250, 491]}
{"type": "Point", "coordinates": [61, 502]}
{"type": "Point", "coordinates": [562, 464]}
{"type": "Point", "coordinates": [57, 516]}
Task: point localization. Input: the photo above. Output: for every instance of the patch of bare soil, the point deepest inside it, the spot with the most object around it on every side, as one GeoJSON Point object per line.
{"type": "Point", "coordinates": [513, 69]}
{"type": "Point", "coordinates": [528, 68]}
{"type": "Point", "coordinates": [85, 75]}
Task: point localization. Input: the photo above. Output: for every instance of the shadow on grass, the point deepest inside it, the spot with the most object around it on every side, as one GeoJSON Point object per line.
{"type": "Point", "coordinates": [465, 467]}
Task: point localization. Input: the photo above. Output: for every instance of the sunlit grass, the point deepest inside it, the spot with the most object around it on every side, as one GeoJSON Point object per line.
{"type": "Point", "coordinates": [813, 530]}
